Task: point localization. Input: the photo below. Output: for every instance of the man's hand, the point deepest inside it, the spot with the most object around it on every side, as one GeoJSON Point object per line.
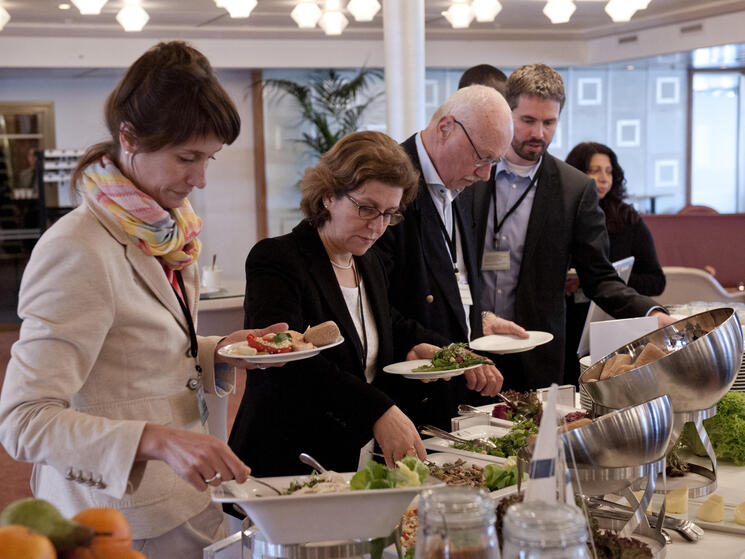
{"type": "Point", "coordinates": [663, 319]}
{"type": "Point", "coordinates": [492, 324]}
{"type": "Point", "coordinates": [486, 379]}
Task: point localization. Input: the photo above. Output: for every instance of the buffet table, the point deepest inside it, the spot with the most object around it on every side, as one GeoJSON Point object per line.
{"type": "Point", "coordinates": [716, 544]}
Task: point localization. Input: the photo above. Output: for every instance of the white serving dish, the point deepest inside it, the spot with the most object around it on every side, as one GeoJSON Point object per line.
{"type": "Point", "coordinates": [285, 519]}
{"type": "Point", "coordinates": [475, 432]}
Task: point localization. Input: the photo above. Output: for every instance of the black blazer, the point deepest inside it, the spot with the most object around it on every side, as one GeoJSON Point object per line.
{"type": "Point", "coordinates": [422, 286]}
{"type": "Point", "coordinates": [636, 240]}
{"type": "Point", "coordinates": [419, 268]}
{"type": "Point", "coordinates": [565, 223]}
{"type": "Point", "coordinates": [321, 405]}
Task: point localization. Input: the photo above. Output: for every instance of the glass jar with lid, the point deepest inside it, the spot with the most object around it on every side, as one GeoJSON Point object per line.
{"type": "Point", "coordinates": [456, 523]}
{"type": "Point", "coordinates": [539, 530]}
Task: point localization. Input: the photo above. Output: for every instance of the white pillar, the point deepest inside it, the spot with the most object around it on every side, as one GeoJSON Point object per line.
{"type": "Point", "coordinates": [403, 31]}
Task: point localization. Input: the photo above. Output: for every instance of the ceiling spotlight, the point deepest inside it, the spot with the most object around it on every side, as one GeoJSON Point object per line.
{"type": "Point", "coordinates": [221, 3]}
{"type": "Point", "coordinates": [239, 8]}
{"type": "Point", "coordinates": [642, 4]}
{"type": "Point", "coordinates": [333, 21]}
{"type": "Point", "coordinates": [559, 11]}
{"type": "Point", "coordinates": [89, 7]}
{"type": "Point", "coordinates": [363, 10]}
{"type": "Point", "coordinates": [132, 17]}
{"type": "Point", "coordinates": [64, 6]}
{"type": "Point", "coordinates": [4, 17]}
{"type": "Point", "coordinates": [486, 10]}
{"type": "Point", "coordinates": [306, 14]}
{"type": "Point", "coordinates": [459, 14]}
{"type": "Point", "coordinates": [620, 10]}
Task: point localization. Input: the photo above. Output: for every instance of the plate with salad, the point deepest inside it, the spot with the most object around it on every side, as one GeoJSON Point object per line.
{"type": "Point", "coordinates": [447, 362]}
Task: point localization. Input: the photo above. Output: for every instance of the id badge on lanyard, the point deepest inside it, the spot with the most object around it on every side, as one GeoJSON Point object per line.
{"type": "Point", "coordinates": [495, 260]}
{"type": "Point", "coordinates": [194, 383]}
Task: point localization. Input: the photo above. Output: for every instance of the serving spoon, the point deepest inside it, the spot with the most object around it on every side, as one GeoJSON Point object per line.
{"type": "Point", "coordinates": [312, 462]}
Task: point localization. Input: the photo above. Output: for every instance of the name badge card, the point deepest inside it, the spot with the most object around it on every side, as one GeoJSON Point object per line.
{"type": "Point", "coordinates": [465, 293]}
{"type": "Point", "coordinates": [496, 261]}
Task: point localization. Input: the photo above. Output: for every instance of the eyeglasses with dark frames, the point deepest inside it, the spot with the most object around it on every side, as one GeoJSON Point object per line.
{"type": "Point", "coordinates": [480, 161]}
{"type": "Point", "coordinates": [390, 217]}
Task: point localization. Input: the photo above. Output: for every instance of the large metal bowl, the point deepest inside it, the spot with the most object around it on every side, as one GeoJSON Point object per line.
{"type": "Point", "coordinates": [705, 351]}
{"type": "Point", "coordinates": [627, 437]}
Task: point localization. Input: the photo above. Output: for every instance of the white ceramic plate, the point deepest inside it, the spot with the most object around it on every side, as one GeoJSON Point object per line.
{"type": "Point", "coordinates": [504, 343]}
{"type": "Point", "coordinates": [319, 517]}
{"type": "Point", "coordinates": [474, 432]}
{"type": "Point", "coordinates": [275, 357]}
{"type": "Point", "coordinates": [441, 458]}
{"type": "Point", "coordinates": [405, 369]}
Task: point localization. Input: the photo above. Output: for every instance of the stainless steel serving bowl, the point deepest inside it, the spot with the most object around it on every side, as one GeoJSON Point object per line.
{"type": "Point", "coordinates": [630, 436]}
{"type": "Point", "coordinates": [705, 351]}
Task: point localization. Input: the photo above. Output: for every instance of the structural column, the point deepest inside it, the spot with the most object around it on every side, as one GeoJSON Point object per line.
{"type": "Point", "coordinates": [403, 31]}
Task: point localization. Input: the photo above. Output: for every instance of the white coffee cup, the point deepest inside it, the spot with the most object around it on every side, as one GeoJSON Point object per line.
{"type": "Point", "coordinates": [212, 277]}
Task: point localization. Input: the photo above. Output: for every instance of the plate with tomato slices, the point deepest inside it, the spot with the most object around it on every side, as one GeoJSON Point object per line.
{"type": "Point", "coordinates": [241, 350]}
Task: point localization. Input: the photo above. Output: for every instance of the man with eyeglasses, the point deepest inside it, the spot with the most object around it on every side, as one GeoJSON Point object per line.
{"type": "Point", "coordinates": [535, 217]}
{"type": "Point", "coordinates": [431, 256]}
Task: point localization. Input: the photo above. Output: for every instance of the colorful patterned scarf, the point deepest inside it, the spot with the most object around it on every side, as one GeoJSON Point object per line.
{"type": "Point", "coordinates": [170, 235]}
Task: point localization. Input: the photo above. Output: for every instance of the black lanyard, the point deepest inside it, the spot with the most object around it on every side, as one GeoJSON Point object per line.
{"type": "Point", "coordinates": [451, 240]}
{"type": "Point", "coordinates": [194, 346]}
{"type": "Point", "coordinates": [497, 224]}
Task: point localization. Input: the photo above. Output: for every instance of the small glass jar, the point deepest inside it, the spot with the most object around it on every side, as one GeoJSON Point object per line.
{"type": "Point", "coordinates": [456, 523]}
{"type": "Point", "coordinates": [539, 530]}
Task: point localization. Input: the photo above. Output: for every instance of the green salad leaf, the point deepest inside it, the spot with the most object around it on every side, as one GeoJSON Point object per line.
{"type": "Point", "coordinates": [453, 356]}
{"type": "Point", "coordinates": [499, 476]}
{"type": "Point", "coordinates": [410, 472]}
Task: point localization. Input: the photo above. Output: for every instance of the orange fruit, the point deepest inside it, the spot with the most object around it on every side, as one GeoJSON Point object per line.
{"type": "Point", "coordinates": [113, 538]}
{"type": "Point", "coordinates": [18, 542]}
{"type": "Point", "coordinates": [136, 555]}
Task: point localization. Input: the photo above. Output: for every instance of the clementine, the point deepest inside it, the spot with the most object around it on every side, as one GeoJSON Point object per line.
{"type": "Point", "coordinates": [18, 542]}
{"type": "Point", "coordinates": [113, 539]}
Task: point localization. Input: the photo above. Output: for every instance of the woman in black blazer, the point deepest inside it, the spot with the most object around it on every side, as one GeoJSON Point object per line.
{"type": "Point", "coordinates": [628, 236]}
{"type": "Point", "coordinates": [333, 404]}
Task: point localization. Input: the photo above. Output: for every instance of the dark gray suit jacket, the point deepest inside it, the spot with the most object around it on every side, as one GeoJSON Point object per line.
{"type": "Point", "coordinates": [565, 223]}
{"type": "Point", "coordinates": [422, 286]}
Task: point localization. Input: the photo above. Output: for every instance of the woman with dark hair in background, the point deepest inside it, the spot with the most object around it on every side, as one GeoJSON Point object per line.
{"type": "Point", "coordinates": [628, 235]}
{"type": "Point", "coordinates": [104, 391]}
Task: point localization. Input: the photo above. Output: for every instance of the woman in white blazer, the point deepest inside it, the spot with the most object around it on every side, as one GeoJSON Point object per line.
{"type": "Point", "coordinates": [104, 388]}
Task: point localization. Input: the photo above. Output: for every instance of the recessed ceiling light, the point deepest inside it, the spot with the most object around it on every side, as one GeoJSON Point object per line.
{"type": "Point", "coordinates": [64, 6]}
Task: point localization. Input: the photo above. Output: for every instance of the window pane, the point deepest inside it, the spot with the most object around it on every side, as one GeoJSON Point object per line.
{"type": "Point", "coordinates": [715, 140]}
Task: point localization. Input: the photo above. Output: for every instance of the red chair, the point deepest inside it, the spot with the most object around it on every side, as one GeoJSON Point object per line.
{"type": "Point", "coordinates": [691, 209]}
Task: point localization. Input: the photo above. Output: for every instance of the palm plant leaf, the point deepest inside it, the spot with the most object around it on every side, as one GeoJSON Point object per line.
{"type": "Point", "coordinates": [330, 103]}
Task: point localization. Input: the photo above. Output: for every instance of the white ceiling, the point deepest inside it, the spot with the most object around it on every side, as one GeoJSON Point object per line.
{"type": "Point", "coordinates": [192, 19]}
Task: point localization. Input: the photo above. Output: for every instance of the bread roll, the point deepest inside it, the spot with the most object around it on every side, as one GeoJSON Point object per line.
{"type": "Point", "coordinates": [650, 353]}
{"type": "Point", "coordinates": [612, 366]}
{"type": "Point", "coordinates": [323, 334]}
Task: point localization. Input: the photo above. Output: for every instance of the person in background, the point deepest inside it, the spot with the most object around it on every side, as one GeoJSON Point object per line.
{"type": "Point", "coordinates": [331, 405]}
{"type": "Point", "coordinates": [484, 74]}
{"type": "Point", "coordinates": [535, 216]}
{"type": "Point", "coordinates": [104, 391]}
{"type": "Point", "coordinates": [431, 258]}
{"type": "Point", "coordinates": [628, 235]}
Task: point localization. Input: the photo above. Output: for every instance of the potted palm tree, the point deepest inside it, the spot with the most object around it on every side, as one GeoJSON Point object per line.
{"type": "Point", "coordinates": [330, 103]}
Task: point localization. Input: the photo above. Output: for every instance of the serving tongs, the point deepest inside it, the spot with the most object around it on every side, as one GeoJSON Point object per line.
{"type": "Point", "coordinates": [617, 511]}
{"type": "Point", "coordinates": [433, 431]}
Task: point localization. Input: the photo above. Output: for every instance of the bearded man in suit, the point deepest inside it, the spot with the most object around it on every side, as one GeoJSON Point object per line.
{"type": "Point", "coordinates": [547, 216]}
{"type": "Point", "coordinates": [430, 257]}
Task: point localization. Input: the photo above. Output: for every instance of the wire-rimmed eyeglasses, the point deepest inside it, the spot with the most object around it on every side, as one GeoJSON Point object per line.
{"type": "Point", "coordinates": [480, 161]}
{"type": "Point", "coordinates": [390, 217]}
